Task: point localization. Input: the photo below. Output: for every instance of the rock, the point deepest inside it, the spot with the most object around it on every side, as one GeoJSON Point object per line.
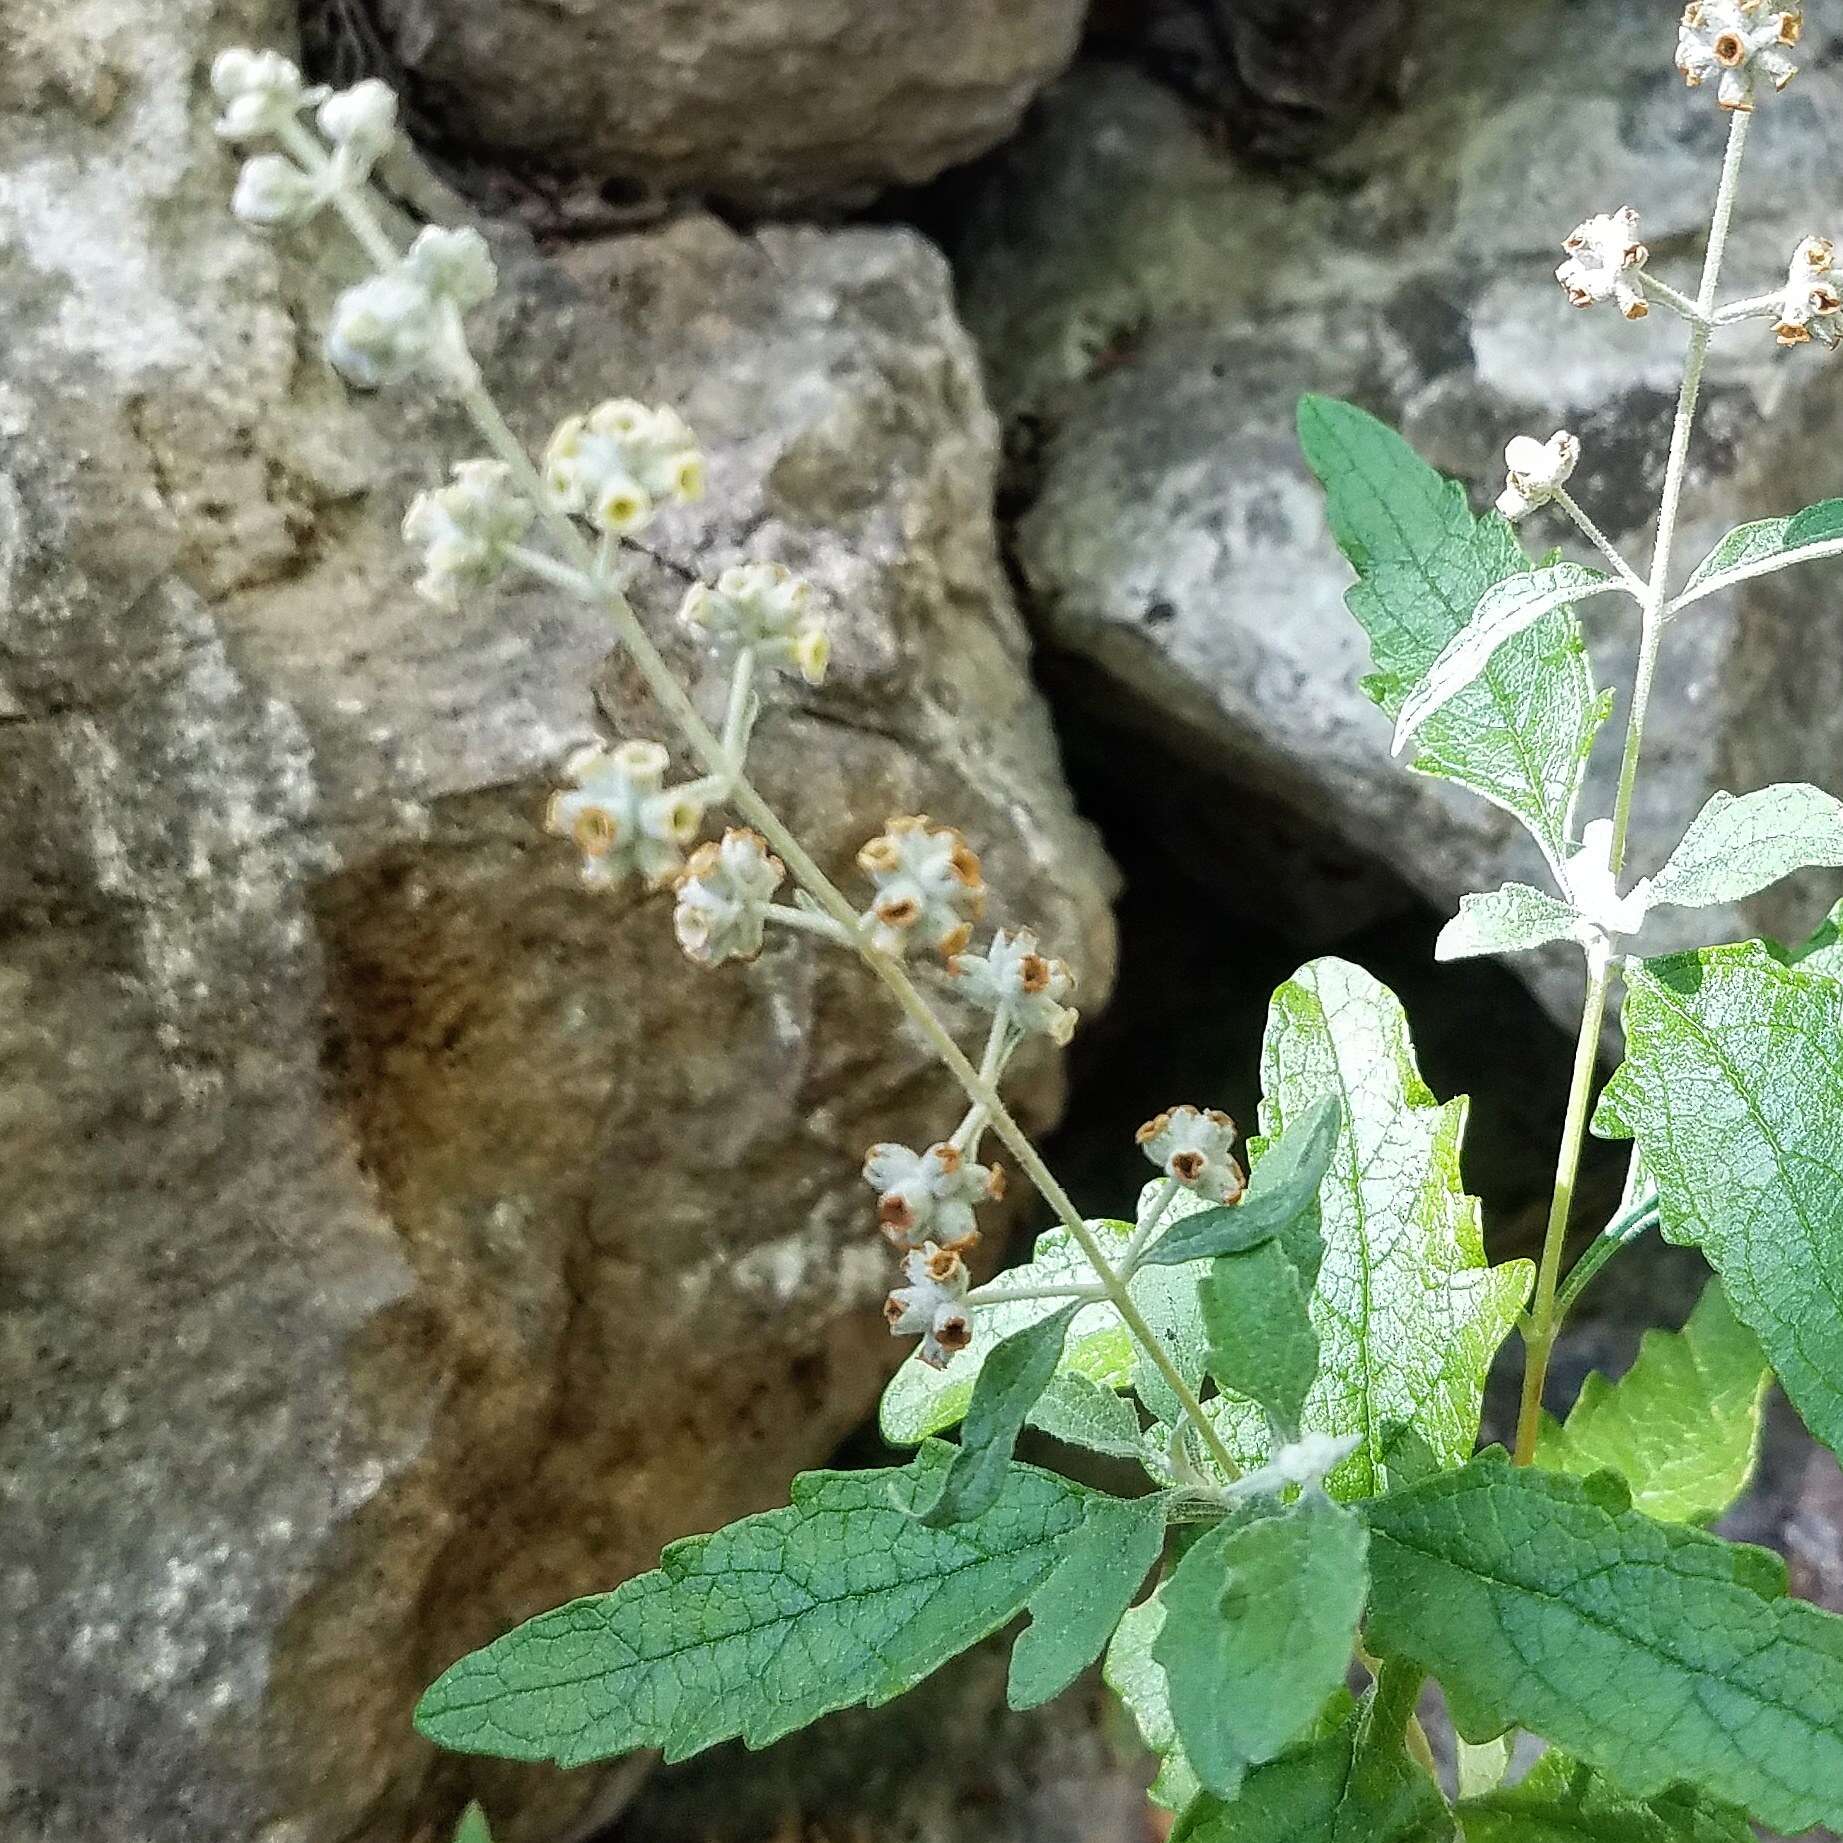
{"type": "Point", "coordinates": [1150, 311]}
{"type": "Point", "coordinates": [400, 1238]}
{"type": "Point", "coordinates": [761, 105]}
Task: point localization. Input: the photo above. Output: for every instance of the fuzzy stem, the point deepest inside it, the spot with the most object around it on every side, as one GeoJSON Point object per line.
{"type": "Point", "coordinates": [1621, 1232]}
{"type": "Point", "coordinates": [786, 916]}
{"type": "Point", "coordinates": [1602, 543]}
{"type": "Point", "coordinates": [999, 1294]}
{"type": "Point", "coordinates": [592, 583]}
{"type": "Point", "coordinates": [1148, 1224]}
{"type": "Point", "coordinates": [1657, 290]}
{"type": "Point", "coordinates": [1751, 308]}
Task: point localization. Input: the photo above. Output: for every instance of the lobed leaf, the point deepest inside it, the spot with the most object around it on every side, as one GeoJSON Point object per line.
{"type": "Point", "coordinates": [1652, 1652]}
{"type": "Point", "coordinates": [1561, 1801]}
{"type": "Point", "coordinates": [1261, 1342]}
{"type": "Point", "coordinates": [1732, 1085]}
{"type": "Point", "coordinates": [1735, 847]}
{"type": "Point", "coordinates": [1138, 1679]}
{"type": "Point", "coordinates": [1260, 1621]}
{"type": "Point", "coordinates": [1681, 1426]}
{"type": "Point", "coordinates": [1100, 1565]}
{"type": "Point", "coordinates": [1512, 919]}
{"type": "Point", "coordinates": [842, 1597]}
{"type": "Point", "coordinates": [1082, 1413]}
{"type": "Point", "coordinates": [1505, 610]}
{"type": "Point", "coordinates": [1520, 734]}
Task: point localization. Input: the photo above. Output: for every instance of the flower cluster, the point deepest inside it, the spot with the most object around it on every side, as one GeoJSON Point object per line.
{"type": "Point", "coordinates": [1537, 472]}
{"type": "Point", "coordinates": [1737, 42]}
{"type": "Point", "coordinates": [466, 530]}
{"type": "Point", "coordinates": [1813, 305]}
{"type": "Point", "coordinates": [1014, 981]}
{"type": "Point", "coordinates": [929, 889]}
{"type": "Point", "coordinates": [764, 608]}
{"type": "Point", "coordinates": [930, 1196]}
{"type": "Point", "coordinates": [622, 816]}
{"type": "Point", "coordinates": [618, 464]}
{"type": "Point", "coordinates": [932, 1304]}
{"type": "Point", "coordinates": [405, 320]}
{"type": "Point", "coordinates": [1194, 1147]}
{"type": "Point", "coordinates": [724, 893]}
{"type": "Point", "coordinates": [1605, 257]}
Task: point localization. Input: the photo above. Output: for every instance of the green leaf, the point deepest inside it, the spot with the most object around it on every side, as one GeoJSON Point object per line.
{"type": "Point", "coordinates": [1733, 1087]}
{"type": "Point", "coordinates": [1350, 1786]}
{"type": "Point", "coordinates": [1407, 1312]}
{"type": "Point", "coordinates": [1818, 524]}
{"type": "Point", "coordinates": [1750, 543]}
{"type": "Point", "coordinates": [1260, 1621]}
{"type": "Point", "coordinates": [1651, 1651]}
{"type": "Point", "coordinates": [1734, 847]}
{"type": "Point", "coordinates": [473, 1827]}
{"type": "Point", "coordinates": [1082, 1413]}
{"type": "Point", "coordinates": [1508, 920]}
{"type": "Point", "coordinates": [1520, 734]}
{"type": "Point", "coordinates": [1138, 1679]}
{"type": "Point", "coordinates": [1764, 539]}
{"type": "Point", "coordinates": [1261, 1342]}
{"type": "Point", "coordinates": [1681, 1426]}
{"type": "Point", "coordinates": [1505, 610]}
{"type": "Point", "coordinates": [843, 1597]}
{"type": "Point", "coordinates": [1823, 952]}
{"type": "Point", "coordinates": [1281, 1201]}
{"type": "Point", "coordinates": [1561, 1801]}
{"type": "Point", "coordinates": [1015, 1375]}
{"type": "Point", "coordinates": [1100, 1565]}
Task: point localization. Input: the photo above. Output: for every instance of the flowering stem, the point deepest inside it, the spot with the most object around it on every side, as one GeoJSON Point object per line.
{"type": "Point", "coordinates": [1753, 306]}
{"type": "Point", "coordinates": [1657, 290]}
{"type": "Point", "coordinates": [1601, 542]}
{"type": "Point", "coordinates": [999, 1044]}
{"type": "Point", "coordinates": [999, 1294]}
{"type": "Point", "coordinates": [1147, 1226]}
{"type": "Point", "coordinates": [822, 925]}
{"type": "Point", "coordinates": [581, 576]}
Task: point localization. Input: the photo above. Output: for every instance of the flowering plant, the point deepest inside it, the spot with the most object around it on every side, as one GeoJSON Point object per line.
{"type": "Point", "coordinates": [1293, 1356]}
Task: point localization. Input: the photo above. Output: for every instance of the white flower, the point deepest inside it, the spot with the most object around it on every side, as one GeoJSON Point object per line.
{"type": "Point", "coordinates": [1604, 255]}
{"type": "Point", "coordinates": [1017, 980]}
{"type": "Point", "coordinates": [274, 193]}
{"type": "Point", "coordinates": [1812, 302]}
{"type": "Point", "coordinates": [361, 123]}
{"type": "Point", "coordinates": [622, 814]}
{"type": "Point", "coordinates": [1594, 890]}
{"type": "Point", "coordinates": [766, 608]}
{"type": "Point", "coordinates": [261, 91]}
{"type": "Point", "coordinates": [390, 326]}
{"type": "Point", "coordinates": [615, 465]}
{"type": "Point", "coordinates": [930, 1196]}
{"type": "Point", "coordinates": [931, 1304]}
{"type": "Point", "coordinates": [1538, 471]}
{"type": "Point", "coordinates": [1742, 41]}
{"type": "Point", "coordinates": [723, 896]}
{"type": "Point", "coordinates": [466, 529]}
{"type": "Point", "coordinates": [929, 887]}
{"type": "Point", "coordinates": [1194, 1147]}
{"type": "Point", "coordinates": [1309, 1460]}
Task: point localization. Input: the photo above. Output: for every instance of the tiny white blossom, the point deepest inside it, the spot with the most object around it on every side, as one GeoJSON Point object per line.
{"type": "Point", "coordinates": [1194, 1146]}
{"type": "Point", "coordinates": [931, 1304]}
{"type": "Point", "coordinates": [1813, 304]}
{"type": "Point", "coordinates": [1309, 1460]}
{"type": "Point", "coordinates": [930, 1196]}
{"type": "Point", "coordinates": [618, 464]}
{"type": "Point", "coordinates": [1593, 889]}
{"type": "Point", "coordinates": [929, 887]}
{"type": "Point", "coordinates": [767, 609]}
{"type": "Point", "coordinates": [622, 815]}
{"type": "Point", "coordinates": [361, 122]}
{"type": "Point", "coordinates": [1604, 257]}
{"type": "Point", "coordinates": [723, 897]}
{"type": "Point", "coordinates": [274, 193]}
{"type": "Point", "coordinates": [466, 529]}
{"type": "Point", "coordinates": [1013, 978]}
{"type": "Point", "coordinates": [1537, 470]}
{"type": "Point", "coordinates": [261, 92]}
{"type": "Point", "coordinates": [384, 329]}
{"type": "Point", "coordinates": [1740, 41]}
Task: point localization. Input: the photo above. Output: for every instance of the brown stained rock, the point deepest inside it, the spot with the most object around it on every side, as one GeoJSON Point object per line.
{"type": "Point", "coordinates": [399, 1238]}
{"type": "Point", "coordinates": [763, 105]}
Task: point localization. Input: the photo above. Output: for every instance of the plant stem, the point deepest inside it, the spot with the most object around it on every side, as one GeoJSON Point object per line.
{"type": "Point", "coordinates": [1603, 544]}
{"type": "Point", "coordinates": [1662, 291]}
{"type": "Point", "coordinates": [588, 580]}
{"type": "Point", "coordinates": [1539, 1340]}
{"type": "Point", "coordinates": [1621, 1232]}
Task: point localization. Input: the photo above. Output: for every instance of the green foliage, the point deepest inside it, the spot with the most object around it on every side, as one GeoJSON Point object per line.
{"type": "Point", "coordinates": [1260, 1619]}
{"type": "Point", "coordinates": [1261, 1341]}
{"type": "Point", "coordinates": [1520, 733]}
{"type": "Point", "coordinates": [473, 1827]}
{"type": "Point", "coordinates": [1013, 1378]}
{"type": "Point", "coordinates": [843, 1597]}
{"type": "Point", "coordinates": [1764, 538]}
{"type": "Point", "coordinates": [1733, 1088]}
{"type": "Point", "coordinates": [1508, 920]}
{"type": "Point", "coordinates": [1084, 1414]}
{"type": "Point", "coordinates": [1100, 1565]}
{"type": "Point", "coordinates": [1407, 1312]}
{"type": "Point", "coordinates": [1561, 1801]}
{"type": "Point", "coordinates": [1736, 847]}
{"type": "Point", "coordinates": [1138, 1679]}
{"type": "Point", "coordinates": [1681, 1426]}
{"type": "Point", "coordinates": [1650, 1651]}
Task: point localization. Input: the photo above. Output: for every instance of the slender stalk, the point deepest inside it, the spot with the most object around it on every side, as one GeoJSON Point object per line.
{"type": "Point", "coordinates": [584, 577]}
{"type": "Point", "coordinates": [1603, 544]}
{"type": "Point", "coordinates": [999, 1294]}
{"type": "Point", "coordinates": [1148, 1224]}
{"type": "Point", "coordinates": [1659, 290]}
{"type": "Point", "coordinates": [1621, 1232]}
{"type": "Point", "coordinates": [1751, 308]}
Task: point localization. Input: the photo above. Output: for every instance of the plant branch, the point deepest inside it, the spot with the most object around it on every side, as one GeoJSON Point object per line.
{"type": "Point", "coordinates": [1602, 543]}
{"type": "Point", "coordinates": [1662, 291]}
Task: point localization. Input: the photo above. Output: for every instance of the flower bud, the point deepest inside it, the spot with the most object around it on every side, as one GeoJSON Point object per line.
{"type": "Point", "coordinates": [1194, 1147]}
{"type": "Point", "coordinates": [466, 529]}
{"type": "Point", "coordinates": [622, 816]}
{"type": "Point", "coordinates": [1538, 471]}
{"type": "Point", "coordinates": [723, 897]}
{"type": "Point", "coordinates": [274, 193]}
{"type": "Point", "coordinates": [929, 887]}
{"type": "Point", "coordinates": [1604, 257]}
{"type": "Point", "coordinates": [930, 1196]}
{"type": "Point", "coordinates": [261, 91]}
{"type": "Point", "coordinates": [932, 1304]}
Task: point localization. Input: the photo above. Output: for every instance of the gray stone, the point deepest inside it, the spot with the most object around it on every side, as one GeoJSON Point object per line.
{"type": "Point", "coordinates": [758, 104]}
{"type": "Point", "coordinates": [399, 1238]}
{"type": "Point", "coordinates": [1150, 311]}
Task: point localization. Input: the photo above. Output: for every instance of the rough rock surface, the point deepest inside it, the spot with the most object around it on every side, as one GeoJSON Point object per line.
{"type": "Point", "coordinates": [758, 104]}
{"type": "Point", "coordinates": [1151, 310]}
{"type": "Point", "coordinates": [399, 1238]}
